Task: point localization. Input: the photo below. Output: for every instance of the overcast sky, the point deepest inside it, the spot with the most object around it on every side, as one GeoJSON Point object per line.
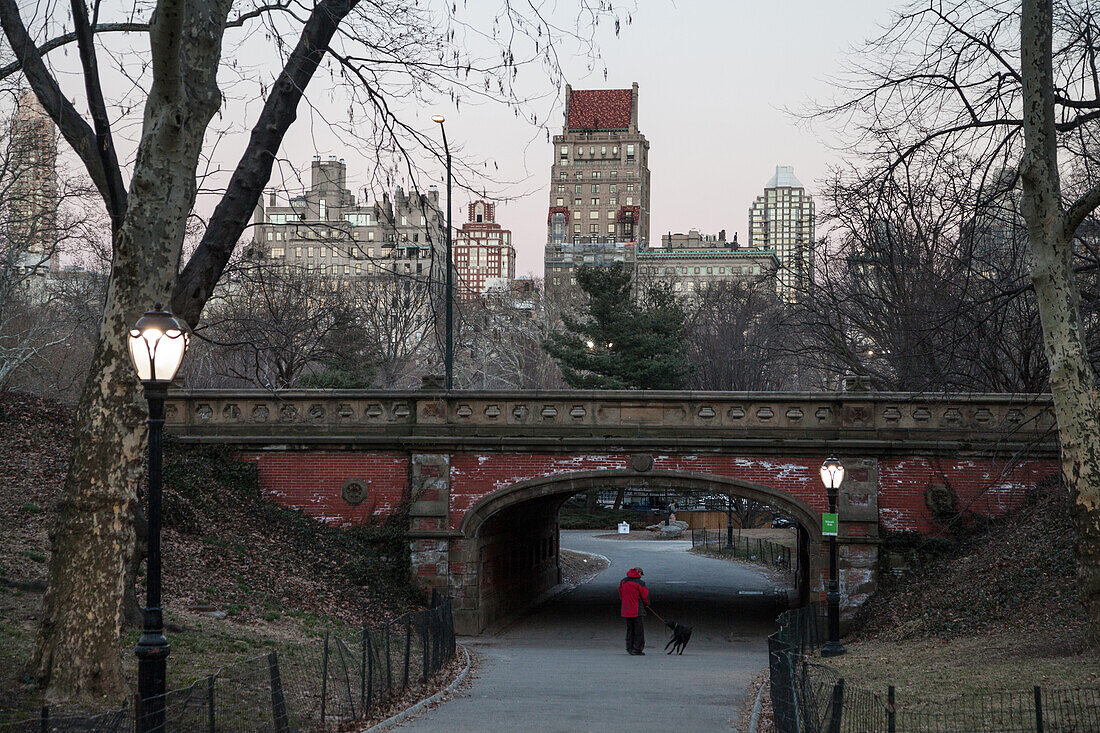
{"type": "Point", "coordinates": [714, 78]}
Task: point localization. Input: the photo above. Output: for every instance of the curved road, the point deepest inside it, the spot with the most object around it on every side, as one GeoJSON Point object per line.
{"type": "Point", "coordinates": [564, 666]}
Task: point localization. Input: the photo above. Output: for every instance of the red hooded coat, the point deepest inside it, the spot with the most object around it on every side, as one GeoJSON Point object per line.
{"type": "Point", "coordinates": [634, 594]}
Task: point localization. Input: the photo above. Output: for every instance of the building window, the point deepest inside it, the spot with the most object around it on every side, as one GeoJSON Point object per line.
{"type": "Point", "coordinates": [576, 202]}
{"type": "Point", "coordinates": [562, 175]}
{"type": "Point", "coordinates": [270, 236]}
{"type": "Point", "coordinates": [580, 151]}
{"type": "Point", "coordinates": [629, 187]}
{"type": "Point", "coordinates": [710, 270]}
{"type": "Point", "coordinates": [561, 188]}
{"type": "Point", "coordinates": [630, 153]}
{"type": "Point", "coordinates": [594, 229]}
{"type": "Point", "coordinates": [629, 200]}
{"type": "Point", "coordinates": [603, 150]}
{"type": "Point", "coordinates": [309, 252]}
{"type": "Point", "coordinates": [613, 174]}
{"type": "Point", "coordinates": [576, 228]}
{"type": "Point", "coordinates": [595, 188]}
{"type": "Point", "coordinates": [610, 228]}
{"type": "Point", "coordinates": [596, 175]}
{"type": "Point", "coordinates": [564, 153]}
{"type": "Point", "coordinates": [613, 188]}
{"type": "Point", "coordinates": [277, 252]}
{"type": "Point", "coordinates": [323, 209]}
{"type": "Point", "coordinates": [370, 236]}
{"type": "Point", "coordinates": [595, 202]}
{"type": "Point", "coordinates": [561, 201]}
{"type": "Point", "coordinates": [298, 252]}
{"type": "Point", "coordinates": [610, 214]}
{"type": "Point", "coordinates": [593, 215]}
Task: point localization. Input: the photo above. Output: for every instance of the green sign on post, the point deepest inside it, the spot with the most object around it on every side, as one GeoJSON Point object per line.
{"type": "Point", "coordinates": [828, 525]}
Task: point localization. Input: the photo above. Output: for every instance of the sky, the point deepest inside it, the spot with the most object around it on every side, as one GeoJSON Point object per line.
{"type": "Point", "coordinates": [715, 80]}
{"type": "Point", "coordinates": [718, 80]}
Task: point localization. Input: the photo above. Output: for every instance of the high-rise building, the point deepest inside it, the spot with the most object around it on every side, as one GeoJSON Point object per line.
{"type": "Point", "coordinates": [325, 231]}
{"type": "Point", "coordinates": [599, 184]}
{"type": "Point", "coordinates": [33, 196]}
{"type": "Point", "coordinates": [483, 251]}
{"type": "Point", "coordinates": [782, 219]}
{"type": "Point", "coordinates": [692, 261]}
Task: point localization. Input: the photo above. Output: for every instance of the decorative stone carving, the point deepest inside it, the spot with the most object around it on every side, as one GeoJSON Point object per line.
{"type": "Point", "coordinates": [641, 462]}
{"type": "Point", "coordinates": [520, 412]}
{"type": "Point", "coordinates": [373, 411]}
{"type": "Point", "coordinates": [736, 413]}
{"type": "Point", "coordinates": [707, 412]}
{"type": "Point", "coordinates": [260, 413]}
{"type": "Point", "coordinates": [1014, 416]}
{"type": "Point", "coordinates": [401, 410]}
{"type": "Point", "coordinates": [204, 413]}
{"type": "Point", "coordinates": [231, 413]}
{"type": "Point", "coordinates": [577, 412]}
{"type": "Point", "coordinates": [952, 415]}
{"type": "Point", "coordinates": [492, 412]}
{"type": "Point", "coordinates": [794, 414]}
{"type": "Point", "coordinates": [464, 412]}
{"type": "Point", "coordinates": [354, 491]}
{"type": "Point", "coordinates": [922, 414]}
{"type": "Point", "coordinates": [764, 414]}
{"type": "Point", "coordinates": [288, 412]}
{"type": "Point", "coordinates": [983, 415]}
{"type": "Point", "coordinates": [345, 411]}
{"type": "Point", "coordinates": [891, 414]}
{"type": "Point", "coordinates": [823, 413]}
{"type": "Point", "coordinates": [316, 412]}
{"type": "Point", "coordinates": [549, 412]}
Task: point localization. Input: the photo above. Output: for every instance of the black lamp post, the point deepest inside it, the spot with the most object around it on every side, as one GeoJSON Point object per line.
{"type": "Point", "coordinates": [157, 343]}
{"type": "Point", "coordinates": [832, 475]}
{"type": "Point", "coordinates": [449, 356]}
{"type": "Point", "coordinates": [729, 522]}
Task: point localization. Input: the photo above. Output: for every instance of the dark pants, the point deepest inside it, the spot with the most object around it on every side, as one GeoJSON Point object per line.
{"type": "Point", "coordinates": [635, 634]}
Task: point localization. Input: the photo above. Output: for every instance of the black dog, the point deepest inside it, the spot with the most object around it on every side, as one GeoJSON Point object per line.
{"type": "Point", "coordinates": [681, 635]}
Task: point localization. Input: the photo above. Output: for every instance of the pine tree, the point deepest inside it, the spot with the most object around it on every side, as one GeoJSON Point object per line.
{"type": "Point", "coordinates": [619, 342]}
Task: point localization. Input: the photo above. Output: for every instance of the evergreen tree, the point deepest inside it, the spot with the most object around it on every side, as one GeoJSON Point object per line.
{"type": "Point", "coordinates": [619, 342]}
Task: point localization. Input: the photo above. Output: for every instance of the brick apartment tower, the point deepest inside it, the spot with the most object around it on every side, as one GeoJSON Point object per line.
{"type": "Point", "coordinates": [599, 187]}
{"type": "Point", "coordinates": [483, 250]}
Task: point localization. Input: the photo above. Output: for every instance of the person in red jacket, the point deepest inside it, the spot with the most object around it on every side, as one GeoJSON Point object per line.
{"type": "Point", "coordinates": [635, 598]}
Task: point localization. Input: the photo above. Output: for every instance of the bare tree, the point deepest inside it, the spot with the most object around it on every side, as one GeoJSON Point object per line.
{"type": "Point", "coordinates": [1010, 86]}
{"type": "Point", "coordinates": [382, 52]}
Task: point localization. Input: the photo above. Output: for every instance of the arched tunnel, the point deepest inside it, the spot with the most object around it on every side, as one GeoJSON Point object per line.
{"type": "Point", "coordinates": [512, 539]}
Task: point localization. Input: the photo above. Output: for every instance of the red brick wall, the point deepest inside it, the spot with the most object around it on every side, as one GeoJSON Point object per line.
{"type": "Point", "coordinates": [985, 487]}
{"type": "Point", "coordinates": [311, 482]}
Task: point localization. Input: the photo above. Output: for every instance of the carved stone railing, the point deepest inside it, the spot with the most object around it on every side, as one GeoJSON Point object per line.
{"type": "Point", "coordinates": [777, 423]}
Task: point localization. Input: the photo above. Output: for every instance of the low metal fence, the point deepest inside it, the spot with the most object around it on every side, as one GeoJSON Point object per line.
{"type": "Point", "coordinates": [752, 549]}
{"type": "Point", "coordinates": [321, 686]}
{"type": "Point", "coordinates": [814, 698]}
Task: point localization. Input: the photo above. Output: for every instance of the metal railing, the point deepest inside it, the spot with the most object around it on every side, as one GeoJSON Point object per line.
{"type": "Point", "coordinates": [321, 686]}
{"type": "Point", "coordinates": [752, 549]}
{"type": "Point", "coordinates": [813, 698]}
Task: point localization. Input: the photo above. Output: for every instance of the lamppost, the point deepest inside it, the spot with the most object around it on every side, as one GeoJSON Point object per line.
{"type": "Point", "coordinates": [729, 521]}
{"type": "Point", "coordinates": [832, 475]}
{"type": "Point", "coordinates": [449, 356]}
{"type": "Point", "coordinates": [157, 343]}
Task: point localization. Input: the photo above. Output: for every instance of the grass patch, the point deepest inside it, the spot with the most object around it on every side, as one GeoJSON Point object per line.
{"type": "Point", "coordinates": [936, 670]}
{"type": "Point", "coordinates": [31, 508]}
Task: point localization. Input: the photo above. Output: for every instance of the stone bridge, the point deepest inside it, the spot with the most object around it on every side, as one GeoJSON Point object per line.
{"type": "Point", "coordinates": [486, 472]}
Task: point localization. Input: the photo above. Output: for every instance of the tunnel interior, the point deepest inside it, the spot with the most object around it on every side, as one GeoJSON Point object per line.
{"type": "Point", "coordinates": [518, 546]}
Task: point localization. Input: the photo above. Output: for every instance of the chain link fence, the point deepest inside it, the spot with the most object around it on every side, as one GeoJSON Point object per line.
{"type": "Point", "coordinates": [321, 686]}
{"type": "Point", "coordinates": [813, 698]}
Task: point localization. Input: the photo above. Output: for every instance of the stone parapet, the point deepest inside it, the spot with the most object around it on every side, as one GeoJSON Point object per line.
{"type": "Point", "coordinates": [575, 420]}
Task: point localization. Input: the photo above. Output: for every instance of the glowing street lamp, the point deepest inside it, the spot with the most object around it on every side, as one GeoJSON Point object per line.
{"type": "Point", "coordinates": [157, 343]}
{"type": "Point", "coordinates": [832, 475]}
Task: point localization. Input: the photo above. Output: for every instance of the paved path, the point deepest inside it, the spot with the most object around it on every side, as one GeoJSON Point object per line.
{"type": "Point", "coordinates": [564, 667]}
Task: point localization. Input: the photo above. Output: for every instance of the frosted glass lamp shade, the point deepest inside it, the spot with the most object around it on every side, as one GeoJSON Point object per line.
{"type": "Point", "coordinates": [157, 342]}
{"type": "Point", "coordinates": [832, 473]}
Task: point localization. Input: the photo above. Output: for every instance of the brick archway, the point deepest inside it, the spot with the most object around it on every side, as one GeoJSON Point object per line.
{"type": "Point", "coordinates": [509, 538]}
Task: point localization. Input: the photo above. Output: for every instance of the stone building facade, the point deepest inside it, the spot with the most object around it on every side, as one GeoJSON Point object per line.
{"type": "Point", "coordinates": [326, 231]}
{"type": "Point", "coordinates": [692, 261]}
{"type": "Point", "coordinates": [33, 195]}
{"type": "Point", "coordinates": [782, 219]}
{"type": "Point", "coordinates": [599, 187]}
{"type": "Point", "coordinates": [483, 251]}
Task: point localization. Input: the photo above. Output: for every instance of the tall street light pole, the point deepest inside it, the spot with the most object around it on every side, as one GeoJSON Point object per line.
{"type": "Point", "coordinates": [157, 343]}
{"type": "Point", "coordinates": [729, 521]}
{"type": "Point", "coordinates": [832, 475]}
{"type": "Point", "coordinates": [449, 355]}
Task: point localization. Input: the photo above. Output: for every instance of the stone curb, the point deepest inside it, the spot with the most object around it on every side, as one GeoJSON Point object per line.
{"type": "Point", "coordinates": [754, 719]}
{"type": "Point", "coordinates": [416, 708]}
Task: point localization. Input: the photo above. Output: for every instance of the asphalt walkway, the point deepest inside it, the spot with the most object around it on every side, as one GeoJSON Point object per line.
{"type": "Point", "coordinates": [564, 666]}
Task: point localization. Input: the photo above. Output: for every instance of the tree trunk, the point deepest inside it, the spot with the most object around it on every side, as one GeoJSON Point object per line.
{"type": "Point", "coordinates": [1071, 379]}
{"type": "Point", "coordinates": [619, 496]}
{"type": "Point", "coordinates": [590, 500]}
{"type": "Point", "coordinates": [77, 649]}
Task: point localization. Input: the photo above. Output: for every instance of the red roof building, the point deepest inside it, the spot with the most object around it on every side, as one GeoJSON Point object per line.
{"type": "Point", "coordinates": [483, 250]}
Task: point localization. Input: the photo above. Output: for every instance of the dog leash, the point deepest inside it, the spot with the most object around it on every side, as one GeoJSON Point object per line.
{"type": "Point", "coordinates": [656, 614]}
